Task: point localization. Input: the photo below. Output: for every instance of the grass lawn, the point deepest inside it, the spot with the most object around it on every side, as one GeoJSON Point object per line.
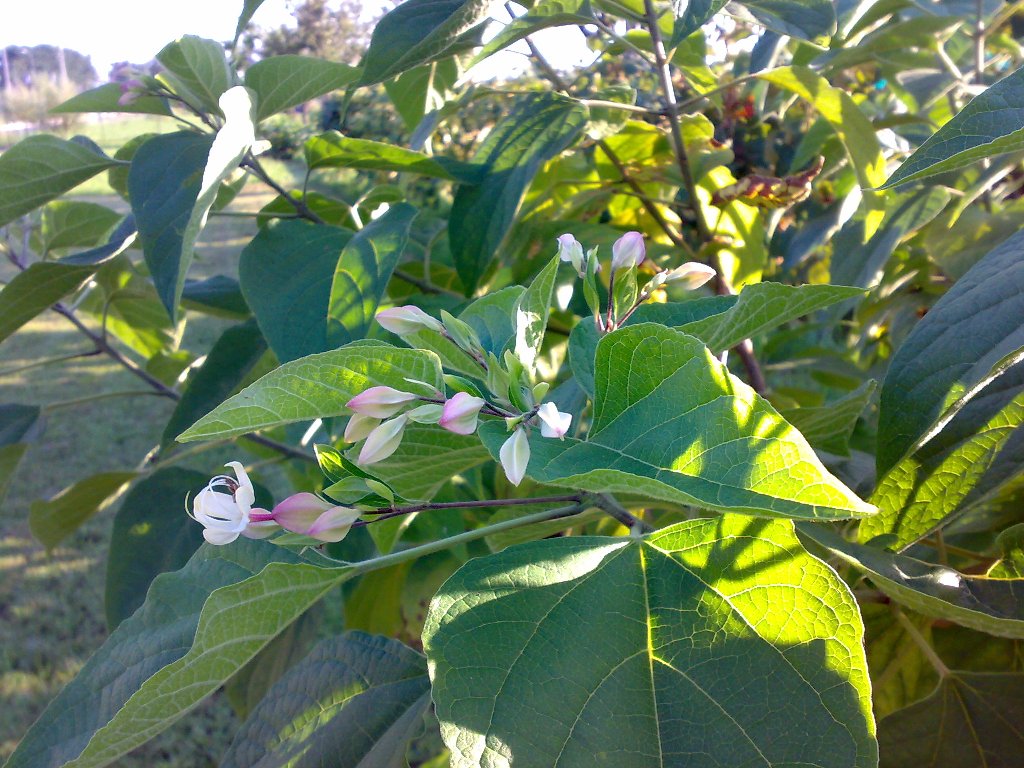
{"type": "Point", "coordinates": [51, 604]}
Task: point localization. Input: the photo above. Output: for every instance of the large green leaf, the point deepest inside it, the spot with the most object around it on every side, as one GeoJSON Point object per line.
{"type": "Point", "coordinates": [73, 224]}
{"type": "Point", "coordinates": [828, 427]}
{"type": "Point", "coordinates": [172, 183]}
{"type": "Point", "coordinates": [671, 423]}
{"type": "Point", "coordinates": [318, 386]}
{"type": "Point", "coordinates": [333, 150]}
{"type": "Point", "coordinates": [41, 168]}
{"type": "Point", "coordinates": [972, 719]}
{"type": "Point", "coordinates": [988, 126]}
{"type": "Point", "coordinates": [418, 32]}
{"type": "Point", "coordinates": [953, 352]}
{"type": "Point", "coordinates": [53, 520]}
{"type": "Point", "coordinates": [536, 130]}
{"type": "Point", "coordinates": [286, 273]}
{"type": "Point", "coordinates": [362, 274]}
{"type": "Point", "coordinates": [107, 98]}
{"type": "Point", "coordinates": [428, 458]}
{"type": "Point", "coordinates": [423, 90]}
{"type": "Point", "coordinates": [709, 643]}
{"type": "Point", "coordinates": [150, 537]}
{"type": "Point", "coordinates": [995, 606]}
{"type": "Point", "coordinates": [197, 69]}
{"type": "Point", "coordinates": [283, 82]}
{"type": "Point", "coordinates": [45, 283]}
{"type": "Point", "coordinates": [841, 112]}
{"type": "Point", "coordinates": [976, 454]}
{"type": "Point", "coordinates": [354, 702]}
{"type": "Point", "coordinates": [156, 635]}
{"type": "Point", "coordinates": [227, 365]}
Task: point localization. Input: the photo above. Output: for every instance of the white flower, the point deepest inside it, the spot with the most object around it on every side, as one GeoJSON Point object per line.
{"type": "Point", "coordinates": [383, 441]}
{"type": "Point", "coordinates": [628, 251]}
{"type": "Point", "coordinates": [460, 413]}
{"type": "Point", "coordinates": [515, 456]}
{"type": "Point", "coordinates": [380, 402]}
{"type": "Point", "coordinates": [554, 423]}
{"type": "Point", "coordinates": [692, 275]}
{"type": "Point", "coordinates": [224, 516]}
{"type": "Point", "coordinates": [408, 319]}
{"type": "Point", "coordinates": [570, 249]}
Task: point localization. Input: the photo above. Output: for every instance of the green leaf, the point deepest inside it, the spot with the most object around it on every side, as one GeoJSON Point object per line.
{"type": "Point", "coordinates": [355, 700]}
{"type": "Point", "coordinates": [970, 719]}
{"type": "Point", "coordinates": [151, 535]}
{"type": "Point", "coordinates": [806, 19]}
{"type": "Point", "coordinates": [19, 426]}
{"type": "Point", "coordinates": [1011, 560]}
{"type": "Point", "coordinates": [687, 659]}
{"type": "Point", "coordinates": [531, 317]}
{"type": "Point", "coordinates": [73, 224]}
{"type": "Point", "coordinates": [45, 283]}
{"type": "Point", "coordinates": [493, 317]}
{"type": "Point", "coordinates": [173, 181]}
{"type": "Point", "coordinates": [156, 635]}
{"type": "Point", "coordinates": [953, 353]}
{"type": "Point", "coordinates": [994, 606]}
{"type": "Point", "coordinates": [106, 98]}
{"type": "Point", "coordinates": [52, 521]}
{"type": "Point", "coordinates": [977, 453]}
{"type": "Point", "coordinates": [318, 386]}
{"type": "Point", "coordinates": [691, 15]}
{"type": "Point", "coordinates": [428, 458]}
{"type": "Point", "coordinates": [762, 307]}
{"type": "Point", "coordinates": [362, 274]}
{"type": "Point", "coordinates": [986, 127]}
{"type": "Point", "coordinates": [537, 129]}
{"type": "Point", "coordinates": [837, 107]}
{"type": "Point", "coordinates": [197, 69]}
{"type": "Point", "coordinates": [423, 90]}
{"type": "Point", "coordinates": [541, 15]}
{"type": "Point", "coordinates": [286, 273]}
{"type": "Point", "coordinates": [218, 295]}
{"type": "Point", "coordinates": [41, 168]}
{"type": "Point", "coordinates": [719, 445]}
{"type": "Point", "coordinates": [332, 150]}
{"type": "Point", "coordinates": [828, 427]}
{"type": "Point", "coordinates": [418, 32]}
{"type": "Point", "coordinates": [283, 82]}
{"type": "Point", "coordinates": [228, 364]}
{"type": "Point", "coordinates": [249, 7]}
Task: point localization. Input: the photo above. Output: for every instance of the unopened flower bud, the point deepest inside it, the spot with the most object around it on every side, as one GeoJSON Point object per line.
{"type": "Point", "coordinates": [383, 441]}
{"type": "Point", "coordinates": [515, 456]}
{"type": "Point", "coordinates": [405, 320]}
{"type": "Point", "coordinates": [359, 426]}
{"type": "Point", "coordinates": [554, 423]}
{"type": "Point", "coordinates": [299, 511]}
{"type": "Point", "coordinates": [628, 251]}
{"type": "Point", "coordinates": [691, 275]}
{"type": "Point", "coordinates": [460, 413]}
{"type": "Point", "coordinates": [570, 249]}
{"type": "Point", "coordinates": [380, 402]}
{"type": "Point", "coordinates": [334, 524]}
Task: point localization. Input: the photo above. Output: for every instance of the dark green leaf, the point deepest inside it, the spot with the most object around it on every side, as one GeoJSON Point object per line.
{"type": "Point", "coordinates": [151, 535]}
{"type": "Point", "coordinates": [52, 521]}
{"type": "Point", "coordinates": [988, 126]}
{"type": "Point", "coordinates": [1011, 560]}
{"type": "Point", "coordinates": [828, 427]}
{"type": "Point", "coordinates": [952, 353]}
{"type": "Point", "coordinates": [418, 32]}
{"type": "Point", "coordinates": [537, 129]}
{"type": "Point", "coordinates": [41, 168]}
{"type": "Point", "coordinates": [217, 295]}
{"type": "Point", "coordinates": [719, 445]}
{"type": "Point", "coordinates": [156, 635]}
{"type": "Point", "coordinates": [355, 701]}
{"type": "Point", "coordinates": [800, 18]}
{"type": "Point", "coordinates": [283, 82]}
{"type": "Point", "coordinates": [105, 98]}
{"type": "Point", "coordinates": [197, 69]}
{"type": "Point", "coordinates": [971, 719]}
{"type": "Point", "coordinates": [428, 458]}
{"type": "Point", "coordinates": [318, 386]}
{"type": "Point", "coordinates": [227, 366]}
{"type": "Point", "coordinates": [249, 7]}
{"type": "Point", "coordinates": [19, 426]}
{"type": "Point", "coordinates": [686, 659]}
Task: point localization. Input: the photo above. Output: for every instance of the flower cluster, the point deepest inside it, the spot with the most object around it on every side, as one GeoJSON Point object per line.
{"type": "Point", "coordinates": [226, 516]}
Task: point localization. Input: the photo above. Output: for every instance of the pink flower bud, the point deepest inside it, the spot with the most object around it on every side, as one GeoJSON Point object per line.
{"type": "Point", "coordinates": [383, 441]}
{"type": "Point", "coordinates": [380, 402]}
{"type": "Point", "coordinates": [299, 511]}
{"type": "Point", "coordinates": [515, 456]}
{"type": "Point", "coordinates": [692, 275]}
{"type": "Point", "coordinates": [359, 426]}
{"type": "Point", "coordinates": [334, 524]}
{"type": "Point", "coordinates": [628, 251]}
{"type": "Point", "coordinates": [554, 423]}
{"type": "Point", "coordinates": [460, 413]}
{"type": "Point", "coordinates": [405, 320]}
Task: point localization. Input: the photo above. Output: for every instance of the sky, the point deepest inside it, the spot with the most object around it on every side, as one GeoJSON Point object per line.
{"type": "Point", "coordinates": [109, 31]}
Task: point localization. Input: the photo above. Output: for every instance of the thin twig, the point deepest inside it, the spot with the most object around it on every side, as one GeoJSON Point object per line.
{"type": "Point", "coordinates": [253, 164]}
{"type": "Point", "coordinates": [920, 641]}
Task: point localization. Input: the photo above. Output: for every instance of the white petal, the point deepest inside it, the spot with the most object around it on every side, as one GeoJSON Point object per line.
{"type": "Point", "coordinates": [245, 495]}
{"type": "Point", "coordinates": [515, 456]}
{"type": "Point", "coordinates": [554, 423]}
{"type": "Point", "coordinates": [219, 537]}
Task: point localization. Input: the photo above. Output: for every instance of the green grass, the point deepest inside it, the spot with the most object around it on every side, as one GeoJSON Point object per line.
{"type": "Point", "coordinates": [51, 605]}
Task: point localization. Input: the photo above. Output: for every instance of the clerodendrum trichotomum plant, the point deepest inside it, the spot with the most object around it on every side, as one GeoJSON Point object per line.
{"type": "Point", "coordinates": [551, 422]}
